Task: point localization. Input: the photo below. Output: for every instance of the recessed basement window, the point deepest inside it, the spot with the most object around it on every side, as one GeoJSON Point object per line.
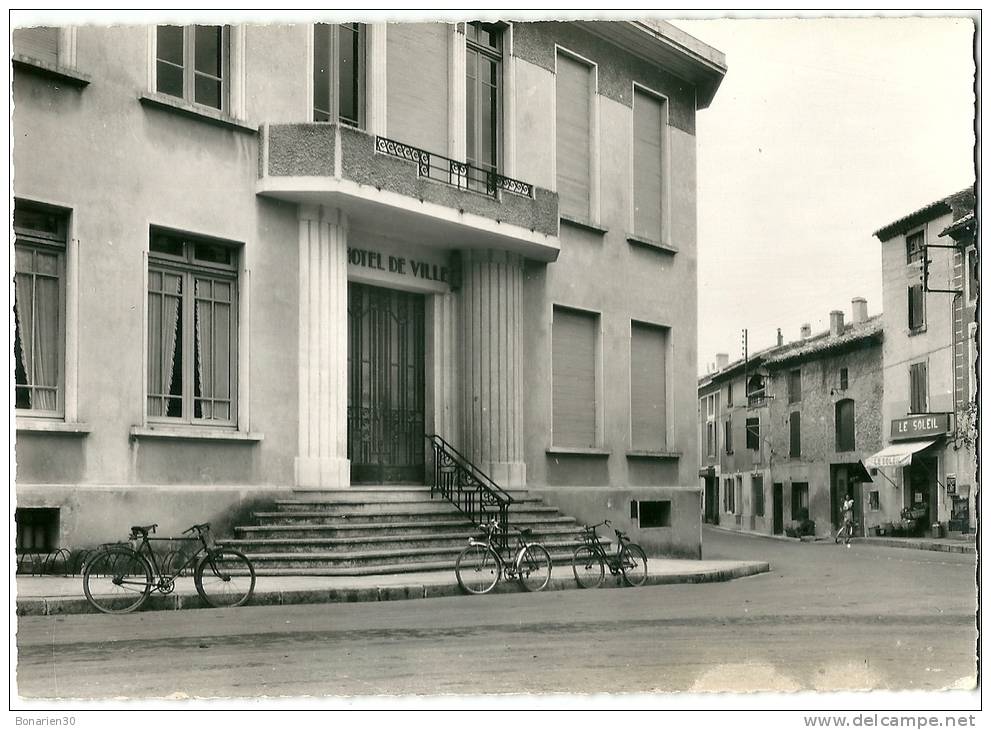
{"type": "Point", "coordinates": [37, 529]}
{"type": "Point", "coordinates": [655, 514]}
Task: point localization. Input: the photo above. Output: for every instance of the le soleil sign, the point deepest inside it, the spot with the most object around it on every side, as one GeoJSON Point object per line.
{"type": "Point", "coordinates": [924, 425]}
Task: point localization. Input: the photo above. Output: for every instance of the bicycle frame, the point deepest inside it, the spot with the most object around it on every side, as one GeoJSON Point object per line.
{"type": "Point", "coordinates": [592, 539]}
{"type": "Point", "coordinates": [505, 567]}
{"type": "Point", "coordinates": [164, 581]}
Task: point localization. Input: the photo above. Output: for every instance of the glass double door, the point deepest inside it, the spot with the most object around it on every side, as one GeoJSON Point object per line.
{"type": "Point", "coordinates": [386, 343]}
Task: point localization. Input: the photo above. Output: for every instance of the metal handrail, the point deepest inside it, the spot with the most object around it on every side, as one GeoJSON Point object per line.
{"type": "Point", "coordinates": [462, 175]}
{"type": "Point", "coordinates": [469, 488]}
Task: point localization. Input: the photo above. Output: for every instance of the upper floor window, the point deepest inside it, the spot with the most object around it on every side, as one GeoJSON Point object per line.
{"type": "Point", "coordinates": [755, 389]}
{"type": "Point", "coordinates": [39, 309]}
{"type": "Point", "coordinates": [728, 436]}
{"type": "Point", "coordinates": [918, 383]}
{"type": "Point", "coordinates": [916, 307]}
{"type": "Point", "coordinates": [794, 386]}
{"type": "Point", "coordinates": [193, 63]}
{"type": "Point", "coordinates": [729, 394]}
{"type": "Point", "coordinates": [971, 276]}
{"type": "Point", "coordinates": [915, 244]}
{"type": "Point", "coordinates": [192, 330]}
{"type": "Point", "coordinates": [575, 86]}
{"type": "Point", "coordinates": [845, 426]}
{"type": "Point", "coordinates": [753, 434]}
{"type": "Point", "coordinates": [338, 73]}
{"type": "Point", "coordinates": [795, 433]}
{"type": "Point", "coordinates": [844, 378]}
{"type": "Point", "coordinates": [483, 91]}
{"type": "Point", "coordinates": [648, 149]}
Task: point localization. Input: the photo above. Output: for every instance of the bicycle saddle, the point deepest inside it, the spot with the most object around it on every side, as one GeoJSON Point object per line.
{"type": "Point", "coordinates": [143, 529]}
{"type": "Point", "coordinates": [526, 532]}
{"type": "Point", "coordinates": [620, 534]}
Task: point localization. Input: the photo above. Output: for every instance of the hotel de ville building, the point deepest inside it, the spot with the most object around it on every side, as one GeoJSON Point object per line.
{"type": "Point", "coordinates": [253, 262]}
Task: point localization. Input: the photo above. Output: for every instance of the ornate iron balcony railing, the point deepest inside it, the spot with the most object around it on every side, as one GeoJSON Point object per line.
{"type": "Point", "coordinates": [468, 488]}
{"type": "Point", "coordinates": [461, 175]}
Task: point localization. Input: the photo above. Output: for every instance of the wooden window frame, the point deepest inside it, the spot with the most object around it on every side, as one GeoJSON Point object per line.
{"type": "Point", "coordinates": [56, 244]}
{"type": "Point", "coordinates": [728, 435]}
{"type": "Point", "coordinates": [795, 435]}
{"type": "Point", "coordinates": [757, 495]}
{"type": "Point", "coordinates": [499, 58]}
{"type": "Point", "coordinates": [753, 436]}
{"type": "Point", "coordinates": [923, 393]}
{"type": "Point", "coordinates": [794, 389]}
{"type": "Point", "coordinates": [970, 295]}
{"type": "Point", "coordinates": [913, 254]}
{"type": "Point", "coordinates": [841, 444]}
{"type": "Point", "coordinates": [189, 68]}
{"type": "Point", "coordinates": [334, 75]}
{"type": "Point", "coordinates": [916, 313]}
{"type": "Point", "coordinates": [189, 268]}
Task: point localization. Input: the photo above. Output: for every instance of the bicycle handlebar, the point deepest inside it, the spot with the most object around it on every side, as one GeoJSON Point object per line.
{"type": "Point", "coordinates": [607, 523]}
{"type": "Point", "coordinates": [198, 528]}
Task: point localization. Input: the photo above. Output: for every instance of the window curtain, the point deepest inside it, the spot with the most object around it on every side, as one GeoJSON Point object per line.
{"type": "Point", "coordinates": [25, 316]}
{"type": "Point", "coordinates": [163, 327]}
{"type": "Point", "coordinates": [46, 321]}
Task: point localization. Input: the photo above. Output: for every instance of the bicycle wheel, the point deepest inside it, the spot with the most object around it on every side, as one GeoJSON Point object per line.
{"type": "Point", "coordinates": [533, 568]}
{"type": "Point", "coordinates": [588, 567]}
{"type": "Point", "coordinates": [225, 578]}
{"type": "Point", "coordinates": [478, 569]}
{"type": "Point", "coordinates": [633, 563]}
{"type": "Point", "coordinates": [117, 580]}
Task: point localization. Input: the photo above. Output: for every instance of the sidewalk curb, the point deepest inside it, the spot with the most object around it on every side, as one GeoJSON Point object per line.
{"type": "Point", "coordinates": [942, 547]}
{"type": "Point", "coordinates": [412, 591]}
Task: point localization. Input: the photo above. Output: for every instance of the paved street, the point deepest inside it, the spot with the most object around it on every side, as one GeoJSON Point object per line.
{"type": "Point", "coordinates": [825, 617]}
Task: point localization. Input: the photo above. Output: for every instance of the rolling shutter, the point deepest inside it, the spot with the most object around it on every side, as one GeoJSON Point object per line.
{"type": "Point", "coordinates": [39, 43]}
{"type": "Point", "coordinates": [648, 121]}
{"type": "Point", "coordinates": [574, 378]}
{"type": "Point", "coordinates": [574, 158]}
{"type": "Point", "coordinates": [417, 71]}
{"type": "Point", "coordinates": [648, 376]}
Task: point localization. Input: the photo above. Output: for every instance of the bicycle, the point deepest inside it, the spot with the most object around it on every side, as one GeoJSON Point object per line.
{"type": "Point", "coordinates": [846, 528]}
{"type": "Point", "coordinates": [480, 565]}
{"type": "Point", "coordinates": [118, 578]}
{"type": "Point", "coordinates": [590, 559]}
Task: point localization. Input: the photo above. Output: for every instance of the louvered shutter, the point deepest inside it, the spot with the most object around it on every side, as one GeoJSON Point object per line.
{"type": "Point", "coordinates": [648, 375]}
{"type": "Point", "coordinates": [796, 434]}
{"type": "Point", "coordinates": [574, 378]}
{"type": "Point", "coordinates": [39, 43]}
{"type": "Point", "coordinates": [417, 70]}
{"type": "Point", "coordinates": [574, 158]}
{"type": "Point", "coordinates": [648, 120]}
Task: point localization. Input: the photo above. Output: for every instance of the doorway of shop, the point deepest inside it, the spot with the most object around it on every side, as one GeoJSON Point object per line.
{"type": "Point", "coordinates": [386, 344]}
{"type": "Point", "coordinates": [842, 483]}
{"type": "Point", "coordinates": [920, 489]}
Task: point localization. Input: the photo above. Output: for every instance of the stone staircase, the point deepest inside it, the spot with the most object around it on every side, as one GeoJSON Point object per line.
{"type": "Point", "coordinates": [367, 530]}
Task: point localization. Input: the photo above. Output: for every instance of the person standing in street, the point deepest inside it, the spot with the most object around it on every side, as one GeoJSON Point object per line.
{"type": "Point", "coordinates": [847, 528]}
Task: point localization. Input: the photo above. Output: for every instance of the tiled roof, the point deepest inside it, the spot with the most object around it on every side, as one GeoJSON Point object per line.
{"type": "Point", "coordinates": [958, 224]}
{"type": "Point", "coordinates": [958, 204]}
{"type": "Point", "coordinates": [871, 328]}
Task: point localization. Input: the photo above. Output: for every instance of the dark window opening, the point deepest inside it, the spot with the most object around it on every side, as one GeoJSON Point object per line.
{"type": "Point", "coordinates": [800, 501]}
{"type": "Point", "coordinates": [753, 434]}
{"type": "Point", "coordinates": [794, 386]}
{"type": "Point", "coordinates": [757, 494]}
{"type": "Point", "coordinates": [875, 501]}
{"type": "Point", "coordinates": [916, 307]}
{"type": "Point", "coordinates": [37, 529]}
{"type": "Point", "coordinates": [844, 378]}
{"type": "Point", "coordinates": [655, 514]}
{"type": "Point", "coordinates": [914, 246]}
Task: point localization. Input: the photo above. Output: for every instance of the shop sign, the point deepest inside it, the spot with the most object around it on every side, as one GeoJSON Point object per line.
{"type": "Point", "coordinates": [926, 425]}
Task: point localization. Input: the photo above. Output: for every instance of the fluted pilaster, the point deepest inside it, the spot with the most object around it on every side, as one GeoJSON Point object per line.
{"type": "Point", "coordinates": [323, 305]}
{"type": "Point", "coordinates": [491, 311]}
{"type": "Point", "coordinates": [444, 366]}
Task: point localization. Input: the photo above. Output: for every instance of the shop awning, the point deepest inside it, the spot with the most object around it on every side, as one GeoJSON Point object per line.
{"type": "Point", "coordinates": [897, 454]}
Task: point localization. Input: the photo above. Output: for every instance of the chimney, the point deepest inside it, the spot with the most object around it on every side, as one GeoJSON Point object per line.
{"type": "Point", "coordinates": [781, 338]}
{"type": "Point", "coordinates": [806, 331]}
{"type": "Point", "coordinates": [722, 360]}
{"type": "Point", "coordinates": [859, 310]}
{"type": "Point", "coordinates": [835, 323]}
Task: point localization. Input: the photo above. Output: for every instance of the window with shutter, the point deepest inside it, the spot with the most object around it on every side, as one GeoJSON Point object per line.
{"type": "Point", "coordinates": [753, 434]}
{"type": "Point", "coordinates": [648, 378]}
{"type": "Point", "coordinates": [919, 387]}
{"type": "Point", "coordinates": [795, 442]}
{"type": "Point", "coordinates": [648, 130]}
{"type": "Point", "coordinates": [845, 436]}
{"type": "Point", "coordinates": [39, 43]}
{"type": "Point", "coordinates": [574, 387]}
{"type": "Point", "coordinates": [417, 84]}
{"type": "Point", "coordinates": [728, 437]}
{"type": "Point", "coordinates": [794, 386]}
{"type": "Point", "coordinates": [916, 307]}
{"type": "Point", "coordinates": [574, 137]}
{"type": "Point", "coordinates": [757, 494]}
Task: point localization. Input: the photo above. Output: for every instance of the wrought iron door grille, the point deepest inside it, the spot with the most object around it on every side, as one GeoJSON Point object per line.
{"type": "Point", "coordinates": [386, 342]}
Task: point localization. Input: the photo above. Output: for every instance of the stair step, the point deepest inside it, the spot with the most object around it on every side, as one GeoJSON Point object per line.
{"type": "Point", "coordinates": [362, 502]}
{"type": "Point", "coordinates": [392, 540]}
{"type": "Point", "coordinates": [309, 516]}
{"type": "Point", "coordinates": [345, 529]}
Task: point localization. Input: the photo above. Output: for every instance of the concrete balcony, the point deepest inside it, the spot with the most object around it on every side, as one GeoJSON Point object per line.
{"type": "Point", "coordinates": [396, 190]}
